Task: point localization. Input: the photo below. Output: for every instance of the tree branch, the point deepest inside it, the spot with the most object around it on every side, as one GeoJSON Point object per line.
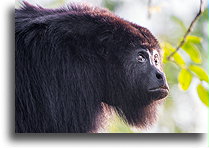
{"type": "Point", "coordinates": [189, 29]}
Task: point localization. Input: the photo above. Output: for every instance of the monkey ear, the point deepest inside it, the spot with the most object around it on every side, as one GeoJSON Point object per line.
{"type": "Point", "coordinates": [104, 40]}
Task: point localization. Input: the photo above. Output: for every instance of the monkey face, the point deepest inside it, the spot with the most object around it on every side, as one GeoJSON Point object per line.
{"type": "Point", "coordinates": [148, 74]}
{"type": "Point", "coordinates": [139, 78]}
{"type": "Point", "coordinates": [137, 86]}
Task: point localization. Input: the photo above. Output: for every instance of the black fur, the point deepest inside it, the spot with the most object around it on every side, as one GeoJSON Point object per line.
{"type": "Point", "coordinates": [70, 60]}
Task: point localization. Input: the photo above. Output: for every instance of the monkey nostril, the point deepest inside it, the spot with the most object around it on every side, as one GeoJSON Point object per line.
{"type": "Point", "coordinates": [159, 76]}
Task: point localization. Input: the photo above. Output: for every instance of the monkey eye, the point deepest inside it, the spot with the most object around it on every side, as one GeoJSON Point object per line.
{"type": "Point", "coordinates": [156, 60]}
{"type": "Point", "coordinates": [141, 58]}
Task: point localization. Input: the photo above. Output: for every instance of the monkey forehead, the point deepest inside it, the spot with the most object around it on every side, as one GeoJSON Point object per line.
{"type": "Point", "coordinates": [152, 51]}
{"type": "Point", "coordinates": [155, 51]}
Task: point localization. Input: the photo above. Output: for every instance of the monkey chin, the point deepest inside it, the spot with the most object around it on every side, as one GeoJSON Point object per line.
{"type": "Point", "coordinates": [140, 117]}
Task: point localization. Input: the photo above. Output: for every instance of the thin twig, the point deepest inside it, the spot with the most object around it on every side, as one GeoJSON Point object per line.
{"type": "Point", "coordinates": [189, 30]}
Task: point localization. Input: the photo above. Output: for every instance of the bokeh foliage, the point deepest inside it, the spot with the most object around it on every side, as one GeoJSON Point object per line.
{"type": "Point", "coordinates": [193, 67]}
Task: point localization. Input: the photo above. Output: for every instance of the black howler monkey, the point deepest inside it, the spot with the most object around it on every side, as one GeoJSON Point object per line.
{"type": "Point", "coordinates": [71, 60]}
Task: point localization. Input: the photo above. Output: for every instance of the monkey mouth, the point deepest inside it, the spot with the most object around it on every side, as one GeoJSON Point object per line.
{"type": "Point", "coordinates": [160, 92]}
{"type": "Point", "coordinates": [161, 88]}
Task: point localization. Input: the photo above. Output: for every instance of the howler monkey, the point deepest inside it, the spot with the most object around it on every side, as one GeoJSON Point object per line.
{"type": "Point", "coordinates": [70, 61]}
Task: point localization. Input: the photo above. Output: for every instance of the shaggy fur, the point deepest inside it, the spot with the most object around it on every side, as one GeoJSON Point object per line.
{"type": "Point", "coordinates": [71, 60]}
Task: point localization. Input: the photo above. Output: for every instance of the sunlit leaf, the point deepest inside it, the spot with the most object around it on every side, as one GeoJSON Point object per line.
{"type": "Point", "coordinates": [200, 72]}
{"type": "Point", "coordinates": [178, 59]}
{"type": "Point", "coordinates": [168, 49]}
{"type": "Point", "coordinates": [184, 79]}
{"type": "Point", "coordinates": [203, 94]}
{"type": "Point", "coordinates": [193, 52]}
{"type": "Point", "coordinates": [194, 39]}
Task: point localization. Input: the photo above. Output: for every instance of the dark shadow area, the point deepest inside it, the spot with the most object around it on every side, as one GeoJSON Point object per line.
{"type": "Point", "coordinates": [110, 137]}
{"type": "Point", "coordinates": [11, 71]}
{"type": "Point", "coordinates": [145, 137]}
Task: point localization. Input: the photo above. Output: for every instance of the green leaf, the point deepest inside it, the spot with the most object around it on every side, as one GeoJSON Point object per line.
{"type": "Point", "coordinates": [193, 52]}
{"type": "Point", "coordinates": [200, 72]}
{"type": "Point", "coordinates": [193, 39]}
{"type": "Point", "coordinates": [203, 94]}
{"type": "Point", "coordinates": [179, 60]}
{"type": "Point", "coordinates": [168, 49]}
{"type": "Point", "coordinates": [184, 79]}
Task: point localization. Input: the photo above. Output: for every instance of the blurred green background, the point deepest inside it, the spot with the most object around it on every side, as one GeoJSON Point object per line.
{"type": "Point", "coordinates": [186, 108]}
